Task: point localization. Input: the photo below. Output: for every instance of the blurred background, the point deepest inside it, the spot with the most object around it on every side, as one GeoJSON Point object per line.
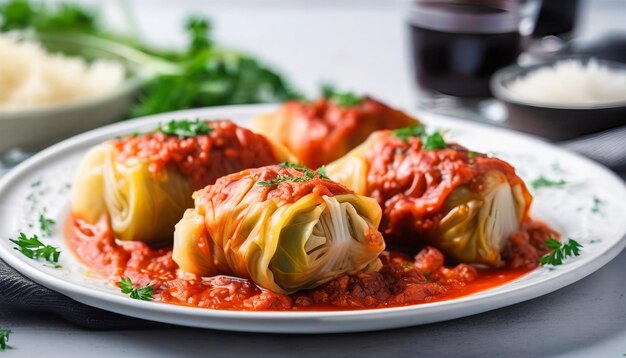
{"type": "Point", "coordinates": [439, 56]}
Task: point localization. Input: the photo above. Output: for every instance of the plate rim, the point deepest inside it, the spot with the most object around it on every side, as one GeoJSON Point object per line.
{"type": "Point", "coordinates": [501, 298]}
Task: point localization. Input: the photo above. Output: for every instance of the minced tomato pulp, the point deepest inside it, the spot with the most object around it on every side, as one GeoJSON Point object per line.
{"type": "Point", "coordinates": [403, 280]}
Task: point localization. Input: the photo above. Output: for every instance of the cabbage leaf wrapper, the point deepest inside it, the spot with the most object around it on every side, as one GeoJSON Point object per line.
{"type": "Point", "coordinates": [322, 131]}
{"type": "Point", "coordinates": [142, 184]}
{"type": "Point", "coordinates": [465, 203]}
{"type": "Point", "coordinates": [285, 237]}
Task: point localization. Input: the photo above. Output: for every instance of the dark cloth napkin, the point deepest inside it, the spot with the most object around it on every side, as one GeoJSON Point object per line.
{"type": "Point", "coordinates": [608, 148]}
{"type": "Point", "coordinates": [18, 292]}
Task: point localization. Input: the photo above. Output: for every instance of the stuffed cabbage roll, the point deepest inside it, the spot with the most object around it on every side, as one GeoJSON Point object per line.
{"type": "Point", "coordinates": [433, 193]}
{"type": "Point", "coordinates": [324, 130]}
{"type": "Point", "coordinates": [142, 184]}
{"type": "Point", "coordinates": [285, 227]}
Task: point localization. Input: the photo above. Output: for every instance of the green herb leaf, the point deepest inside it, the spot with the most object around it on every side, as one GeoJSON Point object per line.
{"type": "Point", "coordinates": [347, 99]}
{"type": "Point", "coordinates": [4, 338]}
{"type": "Point", "coordinates": [32, 198]}
{"type": "Point", "coordinates": [596, 205]}
{"type": "Point", "coordinates": [321, 171]}
{"type": "Point", "coordinates": [308, 174]}
{"type": "Point", "coordinates": [342, 99]}
{"type": "Point", "coordinates": [46, 225]}
{"type": "Point", "coordinates": [21, 14]}
{"type": "Point", "coordinates": [560, 251]}
{"type": "Point", "coordinates": [327, 89]}
{"type": "Point", "coordinates": [34, 249]}
{"type": "Point", "coordinates": [431, 141]}
{"type": "Point", "coordinates": [199, 29]}
{"type": "Point", "coordinates": [185, 128]}
{"type": "Point", "coordinates": [408, 132]}
{"type": "Point", "coordinates": [144, 293]}
{"type": "Point", "coordinates": [543, 182]}
{"type": "Point", "coordinates": [434, 141]}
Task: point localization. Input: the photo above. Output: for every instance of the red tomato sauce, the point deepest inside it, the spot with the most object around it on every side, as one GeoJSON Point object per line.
{"type": "Point", "coordinates": [321, 131]}
{"type": "Point", "coordinates": [288, 191]}
{"type": "Point", "coordinates": [204, 158]}
{"type": "Point", "coordinates": [403, 280]}
{"type": "Point", "coordinates": [412, 185]}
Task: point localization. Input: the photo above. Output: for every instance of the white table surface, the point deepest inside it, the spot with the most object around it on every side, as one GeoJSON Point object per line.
{"type": "Point", "coordinates": [359, 45]}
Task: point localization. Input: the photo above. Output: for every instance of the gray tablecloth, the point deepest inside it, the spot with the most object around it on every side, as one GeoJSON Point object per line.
{"type": "Point", "coordinates": [18, 292]}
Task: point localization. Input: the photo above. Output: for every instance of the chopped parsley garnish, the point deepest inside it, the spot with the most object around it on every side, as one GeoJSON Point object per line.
{"type": "Point", "coordinates": [596, 205]}
{"type": "Point", "coordinates": [34, 249]}
{"type": "Point", "coordinates": [143, 293]}
{"type": "Point", "coordinates": [4, 338]}
{"type": "Point", "coordinates": [430, 141]}
{"type": "Point", "coordinates": [343, 99]}
{"type": "Point", "coordinates": [31, 197]}
{"type": "Point", "coordinates": [184, 128]}
{"type": "Point", "coordinates": [473, 154]}
{"type": "Point", "coordinates": [36, 183]}
{"type": "Point", "coordinates": [560, 251]}
{"type": "Point", "coordinates": [543, 182]}
{"type": "Point", "coordinates": [46, 225]}
{"type": "Point", "coordinates": [308, 174]}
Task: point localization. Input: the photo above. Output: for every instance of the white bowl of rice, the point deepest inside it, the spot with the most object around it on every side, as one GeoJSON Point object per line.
{"type": "Point", "coordinates": [563, 98]}
{"type": "Point", "coordinates": [56, 86]}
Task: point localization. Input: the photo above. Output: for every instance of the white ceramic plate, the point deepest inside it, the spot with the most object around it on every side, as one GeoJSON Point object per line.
{"type": "Point", "coordinates": [568, 209]}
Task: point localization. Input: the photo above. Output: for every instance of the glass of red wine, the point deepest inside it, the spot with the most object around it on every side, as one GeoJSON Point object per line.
{"type": "Point", "coordinates": [456, 45]}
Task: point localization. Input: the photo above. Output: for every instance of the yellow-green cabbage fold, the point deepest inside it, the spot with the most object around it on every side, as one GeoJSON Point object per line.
{"type": "Point", "coordinates": [281, 246]}
{"type": "Point", "coordinates": [475, 224]}
{"type": "Point", "coordinates": [140, 205]}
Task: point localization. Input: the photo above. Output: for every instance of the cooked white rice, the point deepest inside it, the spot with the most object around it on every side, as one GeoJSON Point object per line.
{"type": "Point", "coordinates": [570, 82]}
{"type": "Point", "coordinates": [30, 77]}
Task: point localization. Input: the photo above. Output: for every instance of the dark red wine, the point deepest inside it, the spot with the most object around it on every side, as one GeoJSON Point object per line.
{"type": "Point", "coordinates": [556, 17]}
{"type": "Point", "coordinates": [457, 47]}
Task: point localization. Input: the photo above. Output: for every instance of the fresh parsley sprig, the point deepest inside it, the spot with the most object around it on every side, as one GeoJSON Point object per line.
{"type": "Point", "coordinates": [543, 182]}
{"type": "Point", "coordinates": [34, 249]}
{"type": "Point", "coordinates": [46, 225]}
{"type": "Point", "coordinates": [308, 174]}
{"type": "Point", "coordinates": [560, 251]}
{"type": "Point", "coordinates": [432, 141]}
{"type": "Point", "coordinates": [4, 338]}
{"type": "Point", "coordinates": [184, 128]}
{"type": "Point", "coordinates": [143, 293]}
